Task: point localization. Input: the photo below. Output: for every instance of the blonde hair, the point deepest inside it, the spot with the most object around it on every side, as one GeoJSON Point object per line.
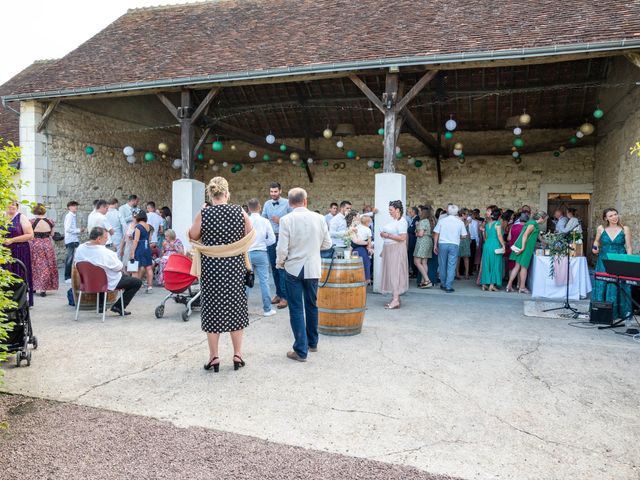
{"type": "Point", "coordinates": [218, 186]}
{"type": "Point", "coordinates": [365, 220]}
{"type": "Point", "coordinates": [170, 234]}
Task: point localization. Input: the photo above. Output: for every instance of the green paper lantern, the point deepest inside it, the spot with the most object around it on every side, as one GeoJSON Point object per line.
{"type": "Point", "coordinates": [266, 157]}
{"type": "Point", "coordinates": [351, 154]}
{"type": "Point", "coordinates": [200, 156]}
{"type": "Point", "coordinates": [217, 146]}
{"type": "Point", "coordinates": [399, 155]}
{"type": "Point", "coordinates": [89, 150]}
{"type": "Point", "coordinates": [381, 131]}
{"type": "Point", "coordinates": [518, 142]}
{"type": "Point", "coordinates": [448, 135]}
{"type": "Point", "coordinates": [556, 153]}
{"type": "Point", "coordinates": [598, 113]}
{"type": "Point", "coordinates": [325, 163]}
{"type": "Point", "coordinates": [573, 140]}
{"type": "Point", "coordinates": [418, 163]}
{"type": "Point", "coordinates": [149, 157]}
{"type": "Point", "coordinates": [283, 148]}
{"type": "Point", "coordinates": [233, 169]}
{"type": "Point", "coordinates": [238, 167]}
{"type": "Point", "coordinates": [376, 165]}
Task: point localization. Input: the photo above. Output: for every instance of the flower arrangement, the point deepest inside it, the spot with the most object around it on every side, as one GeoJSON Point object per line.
{"type": "Point", "coordinates": [557, 244]}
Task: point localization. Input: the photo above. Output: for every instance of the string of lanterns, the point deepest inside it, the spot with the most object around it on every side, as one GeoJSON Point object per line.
{"type": "Point", "coordinates": [584, 130]}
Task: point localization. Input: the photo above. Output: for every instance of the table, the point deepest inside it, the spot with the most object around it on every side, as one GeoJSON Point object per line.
{"type": "Point", "coordinates": [543, 286]}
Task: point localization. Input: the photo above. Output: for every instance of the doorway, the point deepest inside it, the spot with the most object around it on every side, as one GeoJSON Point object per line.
{"type": "Point", "coordinates": [582, 203]}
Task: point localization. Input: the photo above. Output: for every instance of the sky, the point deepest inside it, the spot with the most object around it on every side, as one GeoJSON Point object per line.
{"type": "Point", "coordinates": [37, 30]}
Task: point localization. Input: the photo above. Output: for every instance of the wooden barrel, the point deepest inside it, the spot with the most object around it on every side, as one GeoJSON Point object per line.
{"type": "Point", "coordinates": [342, 301]}
{"type": "Point", "coordinates": [88, 299]}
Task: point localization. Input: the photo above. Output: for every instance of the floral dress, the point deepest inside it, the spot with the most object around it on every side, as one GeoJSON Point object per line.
{"type": "Point", "coordinates": [168, 249]}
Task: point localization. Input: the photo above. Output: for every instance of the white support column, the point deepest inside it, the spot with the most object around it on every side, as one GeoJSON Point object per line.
{"type": "Point", "coordinates": [34, 164]}
{"type": "Point", "coordinates": [389, 187]}
{"type": "Point", "coordinates": [187, 200]}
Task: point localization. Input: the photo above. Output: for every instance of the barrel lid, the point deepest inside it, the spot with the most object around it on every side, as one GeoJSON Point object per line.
{"type": "Point", "coordinates": [342, 261]}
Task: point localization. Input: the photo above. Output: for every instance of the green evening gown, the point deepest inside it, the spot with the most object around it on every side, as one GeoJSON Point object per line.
{"type": "Point", "coordinates": [492, 262]}
{"type": "Point", "coordinates": [525, 256]}
{"type": "Point", "coordinates": [621, 309]}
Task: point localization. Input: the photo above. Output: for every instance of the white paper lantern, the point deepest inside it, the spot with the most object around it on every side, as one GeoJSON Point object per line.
{"type": "Point", "coordinates": [579, 134]}
{"type": "Point", "coordinates": [398, 150]}
{"type": "Point", "coordinates": [215, 168]}
{"type": "Point", "coordinates": [309, 161]}
{"type": "Point", "coordinates": [370, 163]}
{"type": "Point", "coordinates": [270, 139]}
{"type": "Point", "coordinates": [233, 148]}
{"type": "Point", "coordinates": [515, 154]}
{"type": "Point", "coordinates": [131, 159]}
{"type": "Point", "coordinates": [128, 151]}
{"type": "Point", "coordinates": [339, 144]}
{"type": "Point", "coordinates": [517, 131]}
{"type": "Point", "coordinates": [177, 163]}
{"type": "Point", "coordinates": [451, 125]}
{"type": "Point", "coordinates": [225, 164]}
{"type": "Point", "coordinates": [410, 160]}
{"type": "Point", "coordinates": [457, 152]}
{"type": "Point", "coordinates": [328, 133]}
{"type": "Point", "coordinates": [252, 154]}
{"type": "Point", "coordinates": [294, 162]}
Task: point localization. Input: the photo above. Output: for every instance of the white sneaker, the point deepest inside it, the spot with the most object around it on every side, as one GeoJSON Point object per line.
{"type": "Point", "coordinates": [68, 281]}
{"type": "Point", "coordinates": [269, 314]}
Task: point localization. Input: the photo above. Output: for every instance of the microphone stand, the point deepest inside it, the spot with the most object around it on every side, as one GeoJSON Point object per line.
{"type": "Point", "coordinates": [566, 305]}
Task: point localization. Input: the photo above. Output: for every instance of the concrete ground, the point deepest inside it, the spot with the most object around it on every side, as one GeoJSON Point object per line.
{"type": "Point", "coordinates": [460, 384]}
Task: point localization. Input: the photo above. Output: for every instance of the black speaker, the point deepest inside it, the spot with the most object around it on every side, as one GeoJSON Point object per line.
{"type": "Point", "coordinates": [601, 313]}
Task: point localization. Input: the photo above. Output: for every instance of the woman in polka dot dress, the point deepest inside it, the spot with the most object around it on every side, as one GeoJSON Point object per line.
{"type": "Point", "coordinates": [223, 297]}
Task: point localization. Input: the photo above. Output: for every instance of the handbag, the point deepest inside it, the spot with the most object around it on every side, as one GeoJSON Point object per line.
{"type": "Point", "coordinates": [57, 236]}
{"type": "Point", "coordinates": [132, 266]}
{"type": "Point", "coordinates": [499, 251]}
{"type": "Point", "coordinates": [328, 253]}
{"type": "Point", "coordinates": [249, 276]}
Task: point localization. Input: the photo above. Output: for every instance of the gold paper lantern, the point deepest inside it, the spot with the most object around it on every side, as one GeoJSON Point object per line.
{"type": "Point", "coordinates": [233, 148]}
{"type": "Point", "coordinates": [525, 119]}
{"type": "Point", "coordinates": [562, 149]}
{"type": "Point", "coordinates": [458, 146]}
{"type": "Point", "coordinates": [163, 147]}
{"type": "Point", "coordinates": [328, 133]}
{"type": "Point", "coordinates": [513, 149]}
{"type": "Point", "coordinates": [212, 161]}
{"type": "Point", "coordinates": [587, 128]}
{"type": "Point", "coordinates": [279, 160]}
{"type": "Point", "coordinates": [295, 156]}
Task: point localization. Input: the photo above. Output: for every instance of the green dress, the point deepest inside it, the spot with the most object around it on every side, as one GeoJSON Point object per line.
{"type": "Point", "coordinates": [621, 309]}
{"type": "Point", "coordinates": [424, 244]}
{"type": "Point", "coordinates": [524, 258]}
{"type": "Point", "coordinates": [492, 262]}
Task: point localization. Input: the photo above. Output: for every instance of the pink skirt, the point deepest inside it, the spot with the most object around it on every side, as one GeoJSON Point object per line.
{"type": "Point", "coordinates": [395, 268]}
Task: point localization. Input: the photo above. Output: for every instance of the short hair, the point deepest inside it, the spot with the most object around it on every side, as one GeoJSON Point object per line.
{"type": "Point", "coordinates": [397, 204]}
{"type": "Point", "coordinates": [415, 211]}
{"type": "Point", "coordinates": [151, 204]}
{"type": "Point", "coordinates": [253, 204]}
{"type": "Point", "coordinates": [113, 201]}
{"type": "Point", "coordinates": [166, 211]}
{"type": "Point", "coordinates": [39, 209]}
{"type": "Point", "coordinates": [72, 203]}
{"type": "Point", "coordinates": [572, 211]}
{"type": "Point", "coordinates": [101, 203]}
{"type": "Point", "coordinates": [296, 195]}
{"type": "Point", "coordinates": [169, 233]}
{"type": "Point", "coordinates": [333, 204]}
{"type": "Point", "coordinates": [452, 210]}
{"type": "Point", "coordinates": [344, 203]}
{"type": "Point", "coordinates": [524, 217]}
{"type": "Point", "coordinates": [95, 202]}
{"type": "Point", "coordinates": [351, 217]}
{"type": "Point", "coordinates": [141, 216]}
{"type": "Point", "coordinates": [132, 197]}
{"type": "Point", "coordinates": [275, 185]}
{"type": "Point", "coordinates": [506, 215]}
{"type": "Point", "coordinates": [495, 214]}
{"type": "Point", "coordinates": [540, 214]}
{"type": "Point", "coordinates": [96, 233]}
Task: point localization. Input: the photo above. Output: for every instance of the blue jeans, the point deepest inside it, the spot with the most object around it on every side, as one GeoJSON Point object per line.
{"type": "Point", "coordinates": [68, 260]}
{"type": "Point", "coordinates": [260, 264]}
{"type": "Point", "coordinates": [302, 294]}
{"type": "Point", "coordinates": [278, 275]}
{"type": "Point", "coordinates": [447, 258]}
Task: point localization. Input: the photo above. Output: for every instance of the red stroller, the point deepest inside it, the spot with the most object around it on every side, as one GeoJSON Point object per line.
{"type": "Point", "coordinates": [178, 280]}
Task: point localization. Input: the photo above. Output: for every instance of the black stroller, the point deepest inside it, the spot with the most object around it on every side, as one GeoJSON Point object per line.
{"type": "Point", "coordinates": [22, 334]}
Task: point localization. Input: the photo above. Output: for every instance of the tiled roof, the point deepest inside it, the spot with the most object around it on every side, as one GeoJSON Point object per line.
{"type": "Point", "coordinates": [228, 36]}
{"type": "Point", "coordinates": [10, 120]}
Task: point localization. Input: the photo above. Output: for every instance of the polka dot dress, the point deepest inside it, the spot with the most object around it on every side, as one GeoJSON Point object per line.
{"type": "Point", "coordinates": [224, 301]}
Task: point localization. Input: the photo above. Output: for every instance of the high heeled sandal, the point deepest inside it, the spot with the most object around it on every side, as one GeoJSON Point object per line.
{"type": "Point", "coordinates": [210, 365]}
{"type": "Point", "coordinates": [237, 365]}
{"type": "Point", "coordinates": [524, 290]}
{"type": "Point", "coordinates": [484, 288]}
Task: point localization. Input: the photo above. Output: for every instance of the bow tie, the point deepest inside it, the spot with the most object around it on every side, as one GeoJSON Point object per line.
{"type": "Point", "coordinates": [276, 203]}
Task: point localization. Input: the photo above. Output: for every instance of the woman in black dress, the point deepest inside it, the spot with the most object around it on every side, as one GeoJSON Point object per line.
{"type": "Point", "coordinates": [223, 297]}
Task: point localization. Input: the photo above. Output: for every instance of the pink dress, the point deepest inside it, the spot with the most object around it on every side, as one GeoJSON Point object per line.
{"type": "Point", "coordinates": [43, 259]}
{"type": "Point", "coordinates": [516, 229]}
{"type": "Point", "coordinates": [168, 249]}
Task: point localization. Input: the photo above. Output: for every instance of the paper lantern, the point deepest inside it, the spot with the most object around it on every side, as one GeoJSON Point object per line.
{"type": "Point", "coordinates": [457, 152]}
{"type": "Point", "coordinates": [266, 157]}
{"type": "Point", "coordinates": [233, 148]}
{"type": "Point", "coordinates": [128, 151]}
{"type": "Point", "coordinates": [212, 161]}
{"type": "Point", "coordinates": [253, 154]}
{"type": "Point", "coordinates": [461, 160]}
{"type": "Point", "coordinates": [217, 146]}
{"type": "Point", "coordinates": [515, 154]}
{"type": "Point", "coordinates": [131, 159]}
{"type": "Point", "coordinates": [418, 163]}
{"type": "Point", "coordinates": [451, 125]}
{"type": "Point", "coordinates": [339, 144]}
{"type": "Point", "coordinates": [164, 157]}
{"type": "Point", "coordinates": [598, 113]}
{"type": "Point", "coordinates": [342, 165]}
{"type": "Point", "coordinates": [524, 119]}
{"type": "Point", "coordinates": [458, 146]}
{"type": "Point", "coordinates": [200, 156]}
{"type": "Point", "coordinates": [448, 135]}
{"type": "Point", "coordinates": [270, 139]}
{"type": "Point", "coordinates": [556, 153]}
{"type": "Point", "coordinates": [358, 157]}
{"type": "Point", "coordinates": [215, 168]}
{"type": "Point", "coordinates": [518, 142]}
{"type": "Point", "coordinates": [238, 166]}
{"type": "Point", "coordinates": [587, 128]}
{"type": "Point", "coordinates": [328, 133]}
{"type": "Point", "coordinates": [325, 163]}
{"type": "Point", "coordinates": [336, 166]}
{"type": "Point", "coordinates": [163, 147]}
{"type": "Point", "coordinates": [398, 150]}
{"type": "Point", "coordinates": [279, 160]}
{"type": "Point", "coordinates": [309, 161]}
{"type": "Point", "coordinates": [233, 169]}
{"type": "Point", "coordinates": [513, 149]}
{"type": "Point", "coordinates": [579, 134]}
{"type": "Point", "coordinates": [225, 164]}
{"type": "Point", "coordinates": [518, 160]}
{"type": "Point", "coordinates": [294, 156]}
{"type": "Point", "coordinates": [517, 131]}
{"type": "Point", "coordinates": [295, 162]}
{"type": "Point", "coordinates": [150, 157]}
{"type": "Point", "coordinates": [89, 150]}
{"type": "Point", "coordinates": [573, 140]}
{"type": "Point", "coordinates": [562, 149]}
{"type": "Point", "coordinates": [351, 154]}
{"type": "Point", "coordinates": [381, 131]}
{"type": "Point", "coordinates": [177, 163]}
{"type": "Point", "coordinates": [376, 165]}
{"type": "Point", "coordinates": [399, 155]}
{"type": "Point", "coordinates": [410, 160]}
{"type": "Point", "coordinates": [370, 163]}
{"type": "Point", "coordinates": [283, 148]}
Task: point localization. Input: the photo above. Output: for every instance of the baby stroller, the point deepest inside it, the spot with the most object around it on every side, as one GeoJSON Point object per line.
{"type": "Point", "coordinates": [179, 281]}
{"type": "Point", "coordinates": [22, 334]}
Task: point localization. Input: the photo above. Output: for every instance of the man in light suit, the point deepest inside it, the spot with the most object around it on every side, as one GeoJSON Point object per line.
{"type": "Point", "coordinates": [302, 235]}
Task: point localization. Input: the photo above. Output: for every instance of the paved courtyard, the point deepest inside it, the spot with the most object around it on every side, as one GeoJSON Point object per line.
{"type": "Point", "coordinates": [460, 384]}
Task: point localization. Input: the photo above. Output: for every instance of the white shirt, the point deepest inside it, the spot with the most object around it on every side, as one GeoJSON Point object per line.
{"type": "Point", "coordinates": [102, 257]}
{"type": "Point", "coordinates": [337, 228]}
{"type": "Point", "coordinates": [474, 232]}
{"type": "Point", "coordinates": [328, 217]}
{"type": "Point", "coordinates": [395, 227]}
{"type": "Point", "coordinates": [126, 212]}
{"type": "Point", "coordinates": [450, 229]}
{"type": "Point", "coordinates": [114, 219]}
{"type": "Point", "coordinates": [97, 219]}
{"type": "Point", "coordinates": [71, 230]}
{"type": "Point", "coordinates": [264, 233]}
{"type": "Point", "coordinates": [363, 233]}
{"type": "Point", "coordinates": [156, 222]}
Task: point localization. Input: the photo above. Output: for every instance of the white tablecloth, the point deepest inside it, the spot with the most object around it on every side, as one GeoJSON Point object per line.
{"type": "Point", "coordinates": [543, 286]}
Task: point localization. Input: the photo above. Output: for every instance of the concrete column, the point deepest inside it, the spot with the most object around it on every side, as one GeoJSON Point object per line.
{"type": "Point", "coordinates": [389, 187]}
{"type": "Point", "coordinates": [187, 200]}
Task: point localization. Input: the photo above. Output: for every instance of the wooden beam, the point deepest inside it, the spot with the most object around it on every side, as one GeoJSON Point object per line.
{"type": "Point", "coordinates": [169, 104]}
{"type": "Point", "coordinates": [367, 91]}
{"type": "Point", "coordinates": [203, 138]}
{"type": "Point", "coordinates": [187, 134]}
{"type": "Point", "coordinates": [306, 120]}
{"type": "Point", "coordinates": [47, 114]}
{"type": "Point", "coordinates": [417, 88]}
{"type": "Point", "coordinates": [421, 133]}
{"type": "Point", "coordinates": [390, 121]}
{"type": "Point", "coordinates": [204, 105]}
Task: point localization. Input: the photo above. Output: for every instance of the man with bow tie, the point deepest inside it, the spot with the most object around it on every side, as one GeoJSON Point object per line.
{"type": "Point", "coordinates": [274, 209]}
